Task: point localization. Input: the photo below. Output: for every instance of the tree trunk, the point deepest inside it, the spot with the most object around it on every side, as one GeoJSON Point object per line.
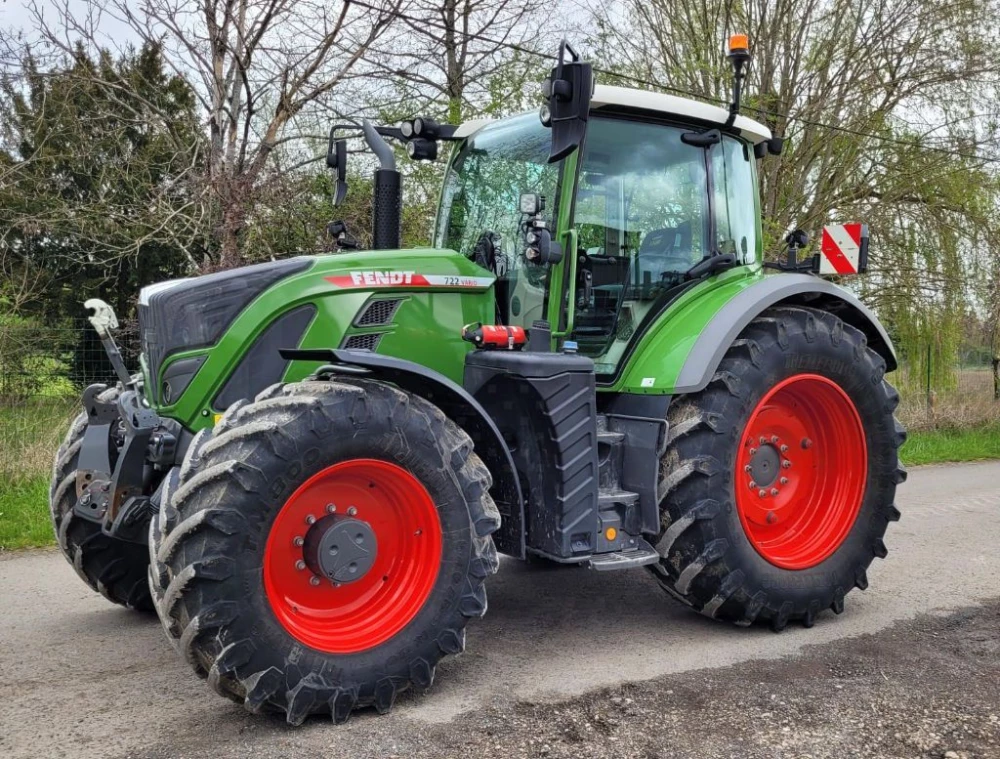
{"type": "Point", "coordinates": [454, 85]}
{"type": "Point", "coordinates": [996, 378]}
{"type": "Point", "coordinates": [233, 219]}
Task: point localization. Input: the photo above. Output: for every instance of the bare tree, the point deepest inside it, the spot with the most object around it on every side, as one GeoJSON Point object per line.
{"type": "Point", "coordinates": [464, 56]}
{"type": "Point", "coordinates": [256, 66]}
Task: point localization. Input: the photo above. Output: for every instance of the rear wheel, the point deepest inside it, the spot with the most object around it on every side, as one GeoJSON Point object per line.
{"type": "Point", "coordinates": [779, 477]}
{"type": "Point", "coordinates": [323, 548]}
{"type": "Point", "coordinates": [114, 568]}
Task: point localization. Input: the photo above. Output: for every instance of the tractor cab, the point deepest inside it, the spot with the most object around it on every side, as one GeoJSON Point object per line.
{"type": "Point", "coordinates": [660, 189]}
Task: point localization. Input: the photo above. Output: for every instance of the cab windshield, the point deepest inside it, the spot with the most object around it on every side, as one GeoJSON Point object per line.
{"type": "Point", "coordinates": [480, 215]}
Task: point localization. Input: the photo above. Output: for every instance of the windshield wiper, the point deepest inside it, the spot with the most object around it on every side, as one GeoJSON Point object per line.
{"type": "Point", "coordinates": [702, 139]}
{"type": "Point", "coordinates": [712, 265]}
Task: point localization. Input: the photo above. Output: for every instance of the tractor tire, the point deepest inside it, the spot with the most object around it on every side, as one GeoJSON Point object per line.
{"type": "Point", "coordinates": [114, 568]}
{"type": "Point", "coordinates": [237, 576]}
{"type": "Point", "coordinates": [778, 480]}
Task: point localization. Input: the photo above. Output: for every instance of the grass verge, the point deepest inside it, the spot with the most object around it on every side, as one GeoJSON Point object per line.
{"type": "Point", "coordinates": [939, 446]}
{"type": "Point", "coordinates": [30, 432]}
{"type": "Point", "coordinates": [24, 514]}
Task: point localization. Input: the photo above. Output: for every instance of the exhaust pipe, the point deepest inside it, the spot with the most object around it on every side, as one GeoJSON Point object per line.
{"type": "Point", "coordinates": [388, 193]}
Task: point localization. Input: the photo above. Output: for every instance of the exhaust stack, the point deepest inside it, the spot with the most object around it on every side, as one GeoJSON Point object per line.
{"type": "Point", "coordinates": [387, 192]}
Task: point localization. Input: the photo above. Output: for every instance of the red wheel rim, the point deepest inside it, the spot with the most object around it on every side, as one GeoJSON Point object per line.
{"type": "Point", "coordinates": [801, 471]}
{"type": "Point", "coordinates": [361, 614]}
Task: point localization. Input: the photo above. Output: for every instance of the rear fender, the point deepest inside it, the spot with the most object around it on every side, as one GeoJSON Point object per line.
{"type": "Point", "coordinates": [682, 351]}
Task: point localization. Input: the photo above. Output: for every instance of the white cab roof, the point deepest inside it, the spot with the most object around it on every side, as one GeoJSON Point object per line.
{"type": "Point", "coordinates": [607, 97]}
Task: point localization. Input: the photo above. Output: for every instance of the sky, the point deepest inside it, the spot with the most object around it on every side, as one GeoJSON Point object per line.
{"type": "Point", "coordinates": [16, 15]}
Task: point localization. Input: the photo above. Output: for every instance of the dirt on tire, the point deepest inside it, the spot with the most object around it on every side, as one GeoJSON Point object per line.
{"type": "Point", "coordinates": [707, 561]}
{"type": "Point", "coordinates": [217, 508]}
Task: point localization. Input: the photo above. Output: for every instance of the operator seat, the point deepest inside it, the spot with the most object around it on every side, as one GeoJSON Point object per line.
{"type": "Point", "coordinates": [664, 252]}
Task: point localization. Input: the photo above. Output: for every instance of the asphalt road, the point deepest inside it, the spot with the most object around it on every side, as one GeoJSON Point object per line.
{"type": "Point", "coordinates": [83, 678]}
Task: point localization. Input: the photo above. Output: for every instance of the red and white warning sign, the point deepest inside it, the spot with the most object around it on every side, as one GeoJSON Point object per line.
{"type": "Point", "coordinates": [844, 249]}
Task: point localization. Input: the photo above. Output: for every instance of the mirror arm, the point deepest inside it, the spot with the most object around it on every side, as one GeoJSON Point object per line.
{"type": "Point", "coordinates": [378, 146]}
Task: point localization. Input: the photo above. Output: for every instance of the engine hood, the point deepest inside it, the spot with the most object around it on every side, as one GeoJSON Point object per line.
{"type": "Point", "coordinates": [228, 326]}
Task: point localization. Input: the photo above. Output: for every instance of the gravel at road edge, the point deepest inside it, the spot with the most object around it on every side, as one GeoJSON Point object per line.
{"type": "Point", "coordinates": [929, 687]}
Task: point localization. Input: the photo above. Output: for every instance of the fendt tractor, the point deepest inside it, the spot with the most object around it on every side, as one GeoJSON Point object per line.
{"type": "Point", "coordinates": [313, 470]}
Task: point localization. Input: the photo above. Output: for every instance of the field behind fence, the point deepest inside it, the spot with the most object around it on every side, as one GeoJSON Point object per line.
{"type": "Point", "coordinates": [49, 367]}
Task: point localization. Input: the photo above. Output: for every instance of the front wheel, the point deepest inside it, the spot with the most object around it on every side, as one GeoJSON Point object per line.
{"type": "Point", "coordinates": [778, 481]}
{"type": "Point", "coordinates": [323, 547]}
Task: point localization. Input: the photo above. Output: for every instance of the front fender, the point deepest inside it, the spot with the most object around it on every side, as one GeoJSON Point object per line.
{"type": "Point", "coordinates": [459, 406]}
{"type": "Point", "coordinates": [682, 350]}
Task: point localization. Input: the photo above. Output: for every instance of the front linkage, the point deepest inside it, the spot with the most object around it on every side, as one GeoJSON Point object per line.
{"type": "Point", "coordinates": [125, 450]}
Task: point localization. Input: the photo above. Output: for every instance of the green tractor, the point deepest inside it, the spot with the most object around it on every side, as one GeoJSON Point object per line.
{"type": "Point", "coordinates": [314, 470]}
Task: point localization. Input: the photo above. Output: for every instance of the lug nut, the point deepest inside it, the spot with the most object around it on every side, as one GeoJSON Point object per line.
{"type": "Point", "coordinates": [774, 438]}
{"type": "Point", "coordinates": [753, 451]}
{"type": "Point", "coordinates": [771, 517]}
{"type": "Point", "coordinates": [786, 463]}
{"type": "Point", "coordinates": [314, 580]}
{"type": "Point", "coordinates": [762, 493]}
{"type": "Point", "coordinates": [352, 511]}
{"type": "Point", "coordinates": [753, 485]}
{"type": "Point", "coordinates": [806, 443]}
{"type": "Point", "coordinates": [784, 448]}
{"type": "Point", "coordinates": [310, 519]}
{"type": "Point", "coordinates": [774, 491]}
{"type": "Point", "coordinates": [331, 508]}
{"type": "Point", "coordinates": [298, 541]}
{"type": "Point", "coordinates": [300, 565]}
{"type": "Point", "coordinates": [783, 480]}
{"type": "Point", "coordinates": [763, 440]}
{"type": "Point", "coordinates": [748, 469]}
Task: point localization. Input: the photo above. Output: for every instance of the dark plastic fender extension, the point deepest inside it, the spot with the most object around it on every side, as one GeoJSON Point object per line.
{"type": "Point", "coordinates": [777, 289]}
{"type": "Point", "coordinates": [461, 408]}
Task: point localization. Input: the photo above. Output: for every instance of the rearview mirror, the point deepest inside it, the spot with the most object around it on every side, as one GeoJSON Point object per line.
{"type": "Point", "coordinates": [336, 159]}
{"type": "Point", "coordinates": [567, 91]}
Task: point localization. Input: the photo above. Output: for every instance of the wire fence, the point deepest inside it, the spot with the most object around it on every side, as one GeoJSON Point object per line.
{"type": "Point", "coordinates": [939, 394]}
{"type": "Point", "coordinates": [39, 363]}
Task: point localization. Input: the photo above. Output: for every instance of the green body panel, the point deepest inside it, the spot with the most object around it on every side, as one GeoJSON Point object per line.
{"type": "Point", "coordinates": [656, 360]}
{"type": "Point", "coordinates": [426, 327]}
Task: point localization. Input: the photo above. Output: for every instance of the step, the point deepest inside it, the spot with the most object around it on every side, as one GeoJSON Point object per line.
{"type": "Point", "coordinates": [608, 498]}
{"type": "Point", "coordinates": [604, 435]}
{"type": "Point", "coordinates": [637, 557]}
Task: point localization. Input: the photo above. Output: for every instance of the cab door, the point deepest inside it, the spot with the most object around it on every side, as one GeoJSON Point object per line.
{"type": "Point", "coordinates": [649, 206]}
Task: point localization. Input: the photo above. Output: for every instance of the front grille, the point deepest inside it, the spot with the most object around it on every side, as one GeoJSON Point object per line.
{"type": "Point", "coordinates": [363, 342]}
{"type": "Point", "coordinates": [194, 313]}
{"type": "Point", "coordinates": [378, 312]}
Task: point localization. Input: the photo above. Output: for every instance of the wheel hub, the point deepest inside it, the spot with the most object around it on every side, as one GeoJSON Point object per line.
{"type": "Point", "coordinates": [352, 555]}
{"type": "Point", "coordinates": [342, 549]}
{"type": "Point", "coordinates": [801, 471]}
{"type": "Point", "coordinates": [765, 464]}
